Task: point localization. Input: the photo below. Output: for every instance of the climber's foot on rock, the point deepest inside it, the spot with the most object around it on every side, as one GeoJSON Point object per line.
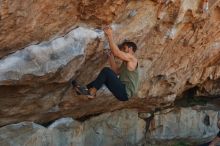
{"type": "Point", "coordinates": [81, 90]}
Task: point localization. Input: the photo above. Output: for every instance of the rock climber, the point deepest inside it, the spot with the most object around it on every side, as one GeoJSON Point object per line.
{"type": "Point", "coordinates": [122, 87]}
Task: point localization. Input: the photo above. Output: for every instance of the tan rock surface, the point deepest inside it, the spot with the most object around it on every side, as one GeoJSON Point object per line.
{"type": "Point", "coordinates": [117, 128]}
{"type": "Point", "coordinates": [43, 44]}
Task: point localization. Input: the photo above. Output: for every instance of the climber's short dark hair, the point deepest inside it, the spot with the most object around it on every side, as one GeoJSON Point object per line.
{"type": "Point", "coordinates": [129, 44]}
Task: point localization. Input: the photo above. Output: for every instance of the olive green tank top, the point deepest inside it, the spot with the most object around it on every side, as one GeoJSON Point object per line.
{"type": "Point", "coordinates": [130, 79]}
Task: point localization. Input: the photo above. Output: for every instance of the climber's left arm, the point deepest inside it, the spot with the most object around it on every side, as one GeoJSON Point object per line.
{"type": "Point", "coordinates": [114, 48]}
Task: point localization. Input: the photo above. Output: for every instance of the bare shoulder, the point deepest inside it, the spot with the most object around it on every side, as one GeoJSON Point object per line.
{"type": "Point", "coordinates": [132, 64]}
{"type": "Point", "coordinates": [134, 59]}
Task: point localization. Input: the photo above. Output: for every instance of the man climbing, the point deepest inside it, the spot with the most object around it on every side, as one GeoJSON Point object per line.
{"type": "Point", "coordinates": [126, 85]}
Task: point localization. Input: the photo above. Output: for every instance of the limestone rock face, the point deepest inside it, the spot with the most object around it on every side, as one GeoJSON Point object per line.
{"type": "Point", "coordinates": [117, 128]}
{"type": "Point", "coordinates": [123, 127]}
{"type": "Point", "coordinates": [44, 44]}
{"type": "Point", "coordinates": [183, 123]}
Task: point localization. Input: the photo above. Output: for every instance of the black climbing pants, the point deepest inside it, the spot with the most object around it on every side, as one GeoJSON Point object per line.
{"type": "Point", "coordinates": [109, 78]}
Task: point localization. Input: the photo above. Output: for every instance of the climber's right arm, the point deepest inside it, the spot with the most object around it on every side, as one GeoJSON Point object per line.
{"type": "Point", "coordinates": [113, 64]}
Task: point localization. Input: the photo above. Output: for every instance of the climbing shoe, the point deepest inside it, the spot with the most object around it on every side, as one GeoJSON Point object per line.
{"type": "Point", "coordinates": [81, 90]}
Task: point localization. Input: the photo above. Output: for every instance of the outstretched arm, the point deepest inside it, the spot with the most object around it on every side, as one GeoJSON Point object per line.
{"type": "Point", "coordinates": [114, 48]}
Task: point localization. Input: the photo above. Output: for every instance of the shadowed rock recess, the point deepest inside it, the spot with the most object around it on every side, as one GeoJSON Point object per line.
{"type": "Point", "coordinates": [45, 44]}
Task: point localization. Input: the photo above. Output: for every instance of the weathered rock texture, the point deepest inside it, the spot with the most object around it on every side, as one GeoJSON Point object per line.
{"type": "Point", "coordinates": [44, 44]}
{"type": "Point", "coordinates": [122, 128]}
{"type": "Point", "coordinates": [110, 129]}
{"type": "Point", "coordinates": [184, 123]}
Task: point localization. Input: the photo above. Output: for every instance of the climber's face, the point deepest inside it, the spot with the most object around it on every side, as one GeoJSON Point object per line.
{"type": "Point", "coordinates": [125, 49]}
